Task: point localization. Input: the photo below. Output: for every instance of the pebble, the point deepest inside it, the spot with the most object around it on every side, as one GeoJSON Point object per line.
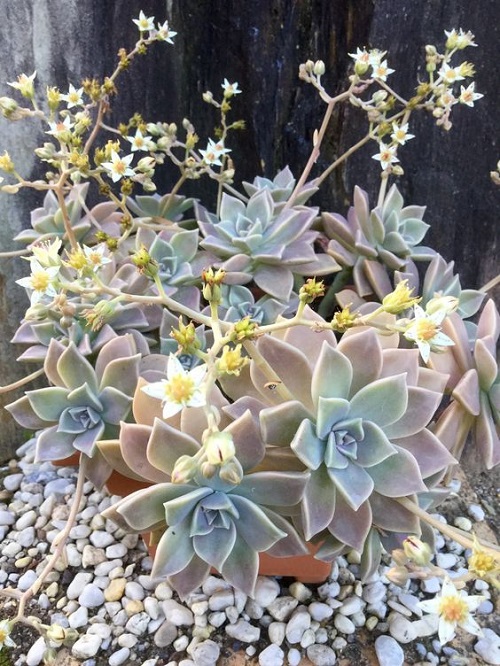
{"type": "Point", "coordinates": [12, 482]}
{"type": "Point", "coordinates": [206, 653]}
{"type": "Point", "coordinates": [463, 523]}
{"type": "Point", "coordinates": [282, 607]}
{"type": "Point", "coordinates": [177, 613]}
{"type": "Point", "coordinates": [91, 596]}
{"type": "Point", "coordinates": [266, 591]}
{"type": "Point", "coordinates": [401, 628]}
{"type": "Point", "coordinates": [488, 647]}
{"type": "Point", "coordinates": [138, 623]}
{"type": "Point", "coordinates": [389, 652]}
{"type": "Point", "coordinates": [431, 585]}
{"type": "Point", "coordinates": [35, 653]}
{"type": "Point", "coordinates": [475, 512]}
{"type": "Point", "coordinates": [321, 655]}
{"type": "Point", "coordinates": [276, 632]}
{"type": "Point", "coordinates": [243, 631]}
{"type": "Point", "coordinates": [344, 624]}
{"type": "Point", "coordinates": [86, 646]}
{"type": "Point", "coordinates": [446, 560]}
{"type": "Point", "coordinates": [165, 634]}
{"type": "Point", "coordinates": [272, 655]}
{"type": "Point", "coordinates": [296, 626]}
{"type": "Point", "coordinates": [119, 657]}
{"type": "Point", "coordinates": [294, 657]}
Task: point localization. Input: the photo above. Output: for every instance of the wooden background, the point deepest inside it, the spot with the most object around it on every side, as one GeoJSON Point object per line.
{"type": "Point", "coordinates": [260, 43]}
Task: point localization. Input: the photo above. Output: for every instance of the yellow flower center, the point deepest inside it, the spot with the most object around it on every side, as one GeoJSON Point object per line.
{"type": "Point", "coordinates": [426, 329]}
{"type": "Point", "coordinates": [40, 281]}
{"type": "Point", "coordinates": [481, 563]}
{"type": "Point", "coordinates": [95, 258]}
{"type": "Point", "coordinates": [74, 97]}
{"type": "Point", "coordinates": [453, 609]}
{"type": "Point", "coordinates": [3, 636]}
{"type": "Point", "coordinates": [179, 389]}
{"type": "Point", "coordinates": [120, 166]}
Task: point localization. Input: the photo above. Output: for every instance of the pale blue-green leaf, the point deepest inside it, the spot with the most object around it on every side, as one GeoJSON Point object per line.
{"type": "Point", "coordinates": [398, 475]}
{"type": "Point", "coordinates": [332, 375]}
{"type": "Point", "coordinates": [178, 508]}
{"type": "Point", "coordinates": [365, 355]}
{"type": "Point", "coordinates": [273, 488]}
{"type": "Point", "coordinates": [384, 401]}
{"type": "Point", "coordinates": [355, 484]}
{"type": "Point", "coordinates": [216, 546]}
{"type": "Point", "coordinates": [307, 446]}
{"type": "Point", "coordinates": [280, 423]}
{"type": "Point", "coordinates": [254, 526]}
{"type": "Point", "coordinates": [167, 445]}
{"type": "Point", "coordinates": [422, 405]}
{"type": "Point", "coordinates": [349, 526]}
{"type": "Point", "coordinates": [331, 411]}
{"type": "Point", "coordinates": [241, 567]}
{"type": "Point", "coordinates": [173, 553]}
{"type": "Point", "coordinates": [75, 370]}
{"type": "Point", "coordinates": [374, 447]}
{"type": "Point", "coordinates": [318, 503]}
{"type": "Point", "coordinates": [48, 403]}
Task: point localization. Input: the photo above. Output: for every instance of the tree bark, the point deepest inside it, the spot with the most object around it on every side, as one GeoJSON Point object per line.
{"type": "Point", "coordinates": [260, 44]}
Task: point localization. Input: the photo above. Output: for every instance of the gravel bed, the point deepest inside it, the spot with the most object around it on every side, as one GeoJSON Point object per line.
{"type": "Point", "coordinates": [122, 616]}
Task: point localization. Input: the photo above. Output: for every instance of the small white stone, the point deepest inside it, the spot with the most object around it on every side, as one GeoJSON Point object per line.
{"type": "Point", "coordinates": [163, 591]}
{"type": "Point", "coordinates": [11, 549]}
{"type": "Point", "coordinates": [35, 653]}
{"type": "Point", "coordinates": [221, 599]}
{"type": "Point", "coordinates": [446, 560]}
{"type": "Point", "coordinates": [488, 647]}
{"type": "Point", "coordinates": [12, 482]}
{"type": "Point", "coordinates": [374, 592]}
{"type": "Point", "coordinates": [351, 605]}
{"type": "Point", "coordinates": [389, 652]}
{"type": "Point", "coordinates": [138, 623]}
{"type": "Point", "coordinates": [127, 640]}
{"type": "Point", "coordinates": [320, 611]}
{"type": "Point", "coordinates": [79, 618]}
{"type": "Point", "coordinates": [300, 591]}
{"type": "Point", "coordinates": [321, 655]}
{"type": "Point", "coordinates": [276, 631]}
{"type": "Point", "coordinates": [181, 643]}
{"type": "Point", "coordinates": [206, 653]}
{"type": "Point", "coordinates": [26, 580]}
{"type": "Point", "coordinates": [101, 539]}
{"type": "Point", "coordinates": [463, 523]}
{"type": "Point", "coordinates": [485, 607]}
{"type": "Point", "coordinates": [309, 638]}
{"type": "Point", "coordinates": [475, 512]}
{"type": "Point", "coordinates": [217, 619]}
{"type": "Point", "coordinates": [87, 646]}
{"type": "Point", "coordinates": [177, 613]}
{"type": "Point", "coordinates": [266, 591]}
{"type": "Point", "coordinates": [272, 655]}
{"type": "Point", "coordinates": [294, 657]}
{"type": "Point", "coordinates": [134, 591]}
{"type": "Point", "coordinates": [119, 657]}
{"type": "Point", "coordinates": [116, 550]}
{"type": "Point", "coordinates": [26, 520]}
{"type": "Point", "coordinates": [297, 624]}
{"type": "Point", "coordinates": [401, 628]}
{"type": "Point", "coordinates": [6, 517]}
{"type": "Point", "coordinates": [282, 607]}
{"type": "Point", "coordinates": [101, 629]}
{"type": "Point", "coordinates": [91, 596]}
{"type": "Point", "coordinates": [80, 531]}
{"type": "Point", "coordinates": [75, 588]}
{"type": "Point", "coordinates": [431, 585]}
{"type": "Point", "coordinates": [165, 634]}
{"type": "Point", "coordinates": [243, 631]}
{"type": "Point", "coordinates": [343, 624]}
{"type": "Point", "coordinates": [411, 602]}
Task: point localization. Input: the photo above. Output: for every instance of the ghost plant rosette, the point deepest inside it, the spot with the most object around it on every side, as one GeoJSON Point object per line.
{"type": "Point", "coordinates": [275, 376]}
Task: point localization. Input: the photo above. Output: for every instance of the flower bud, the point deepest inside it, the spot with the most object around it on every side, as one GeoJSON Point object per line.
{"type": "Point", "coordinates": [184, 469]}
{"type": "Point", "coordinates": [231, 472]}
{"type": "Point", "coordinates": [56, 634]}
{"type": "Point", "coordinates": [439, 303]}
{"type": "Point", "coordinates": [417, 550]}
{"type": "Point", "coordinates": [398, 575]}
{"type": "Point", "coordinates": [208, 96]}
{"type": "Point", "coordinates": [319, 68]}
{"type": "Point", "coordinates": [219, 447]}
{"type": "Point", "coordinates": [400, 299]}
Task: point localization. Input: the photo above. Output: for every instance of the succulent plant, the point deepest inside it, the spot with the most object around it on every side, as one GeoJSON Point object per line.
{"type": "Point", "coordinates": [474, 383]}
{"type": "Point", "coordinates": [239, 302]}
{"type": "Point", "coordinates": [158, 208]}
{"type": "Point", "coordinates": [281, 187]}
{"type": "Point", "coordinates": [257, 242]}
{"type": "Point", "coordinates": [372, 244]}
{"type": "Point", "coordinates": [84, 404]}
{"type": "Point", "coordinates": [212, 520]}
{"type": "Point", "coordinates": [47, 221]}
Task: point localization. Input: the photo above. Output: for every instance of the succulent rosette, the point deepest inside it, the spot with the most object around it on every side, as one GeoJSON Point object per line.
{"type": "Point", "coordinates": [356, 417]}
{"type": "Point", "coordinates": [374, 243]}
{"type": "Point", "coordinates": [258, 242]}
{"type": "Point", "coordinates": [217, 520]}
{"type": "Point", "coordinates": [474, 382]}
{"type": "Point", "coordinates": [84, 404]}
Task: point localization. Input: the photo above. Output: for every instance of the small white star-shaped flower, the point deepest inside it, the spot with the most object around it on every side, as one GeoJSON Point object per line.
{"type": "Point", "coordinates": [74, 97]}
{"type": "Point", "coordinates": [381, 71]}
{"type": "Point", "coordinates": [230, 89]}
{"type": "Point", "coordinates": [40, 282]}
{"type": "Point", "coordinates": [144, 22]}
{"type": "Point", "coordinates": [425, 331]}
{"type": "Point", "coordinates": [139, 141]}
{"type": "Point", "coordinates": [468, 95]}
{"type": "Point", "coordinates": [386, 156]}
{"type": "Point", "coordinates": [213, 153]}
{"type": "Point", "coordinates": [400, 133]}
{"type": "Point", "coordinates": [164, 34]}
{"type": "Point", "coordinates": [454, 610]}
{"type": "Point", "coordinates": [119, 166]}
{"type": "Point", "coordinates": [182, 388]}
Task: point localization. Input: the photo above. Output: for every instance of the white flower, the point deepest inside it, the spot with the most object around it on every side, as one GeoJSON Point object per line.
{"type": "Point", "coordinates": [386, 156]}
{"type": "Point", "coordinates": [400, 134]}
{"type": "Point", "coordinates": [164, 33]}
{"type": "Point", "coordinates": [40, 281]}
{"type": "Point", "coordinates": [182, 388]}
{"type": "Point", "coordinates": [47, 253]}
{"type": "Point", "coordinates": [459, 40]}
{"type": "Point", "coordinates": [230, 88]}
{"type": "Point", "coordinates": [425, 331]}
{"type": "Point", "coordinates": [454, 609]}
{"type": "Point", "coordinates": [119, 166]}
{"type": "Point", "coordinates": [214, 152]}
{"type": "Point", "coordinates": [468, 96]}
{"type": "Point", "coordinates": [361, 56]}
{"type": "Point", "coordinates": [74, 97]}
{"type": "Point", "coordinates": [375, 57]}
{"type": "Point", "coordinates": [61, 128]}
{"type": "Point", "coordinates": [95, 255]}
{"type": "Point", "coordinates": [450, 74]}
{"type": "Point", "coordinates": [5, 639]}
{"type": "Point", "coordinates": [139, 141]}
{"type": "Point", "coordinates": [381, 70]}
{"type": "Point", "coordinates": [144, 22]}
{"type": "Point", "coordinates": [25, 85]}
{"type": "Point", "coordinates": [446, 100]}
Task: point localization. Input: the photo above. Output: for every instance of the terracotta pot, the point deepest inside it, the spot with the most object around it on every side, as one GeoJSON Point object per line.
{"type": "Point", "coordinates": [305, 568]}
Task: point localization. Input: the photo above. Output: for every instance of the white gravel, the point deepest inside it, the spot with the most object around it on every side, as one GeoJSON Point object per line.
{"type": "Point", "coordinates": [122, 615]}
